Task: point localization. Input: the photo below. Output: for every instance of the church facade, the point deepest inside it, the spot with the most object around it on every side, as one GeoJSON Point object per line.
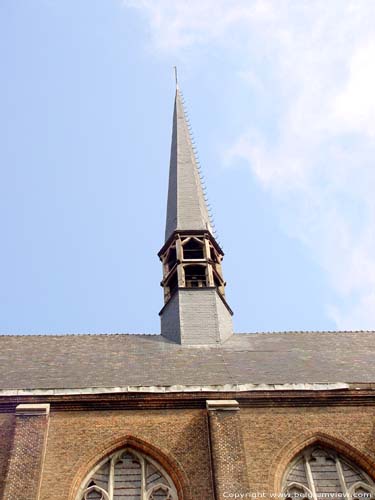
{"type": "Point", "coordinates": [197, 412]}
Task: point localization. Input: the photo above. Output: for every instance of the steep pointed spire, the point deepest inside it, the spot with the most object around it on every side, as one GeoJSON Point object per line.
{"type": "Point", "coordinates": [195, 310]}
{"type": "Point", "coordinates": [187, 208]}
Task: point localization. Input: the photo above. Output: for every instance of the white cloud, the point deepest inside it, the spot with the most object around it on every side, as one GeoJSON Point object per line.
{"type": "Point", "coordinates": [355, 104]}
{"type": "Point", "coordinates": [184, 23]}
{"type": "Point", "coordinates": [321, 167]}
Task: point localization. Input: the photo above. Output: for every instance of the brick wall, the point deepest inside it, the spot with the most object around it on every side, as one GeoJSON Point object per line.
{"type": "Point", "coordinates": [227, 449]}
{"type": "Point", "coordinates": [7, 422]}
{"type": "Point", "coordinates": [77, 440]}
{"type": "Point", "coordinates": [25, 464]}
{"type": "Point", "coordinates": [273, 436]}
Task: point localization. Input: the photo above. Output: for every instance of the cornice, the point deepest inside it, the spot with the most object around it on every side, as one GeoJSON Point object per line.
{"type": "Point", "coordinates": [195, 400]}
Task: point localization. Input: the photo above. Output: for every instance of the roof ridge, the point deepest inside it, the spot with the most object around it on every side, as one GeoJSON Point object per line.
{"type": "Point", "coordinates": [118, 334]}
{"type": "Point", "coordinates": [303, 331]}
{"type": "Point", "coordinates": [110, 334]}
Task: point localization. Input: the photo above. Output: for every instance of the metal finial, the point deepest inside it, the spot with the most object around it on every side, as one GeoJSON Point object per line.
{"type": "Point", "coordinates": [175, 75]}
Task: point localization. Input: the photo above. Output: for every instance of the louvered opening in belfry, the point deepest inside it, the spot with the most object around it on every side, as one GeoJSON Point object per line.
{"type": "Point", "coordinates": [193, 249]}
{"type": "Point", "coordinates": [195, 276]}
{"type": "Point", "coordinates": [218, 283]}
{"type": "Point", "coordinates": [172, 258]}
{"type": "Point", "coordinates": [214, 256]}
{"type": "Point", "coordinates": [172, 283]}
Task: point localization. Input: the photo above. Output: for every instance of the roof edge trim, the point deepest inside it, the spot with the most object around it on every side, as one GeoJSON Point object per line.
{"type": "Point", "coordinates": [177, 388]}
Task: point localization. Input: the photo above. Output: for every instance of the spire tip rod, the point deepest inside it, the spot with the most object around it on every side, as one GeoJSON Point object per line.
{"type": "Point", "coordinates": [175, 76]}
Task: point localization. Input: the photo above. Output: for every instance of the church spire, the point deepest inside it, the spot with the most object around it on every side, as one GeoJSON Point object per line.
{"type": "Point", "coordinates": [195, 310]}
{"type": "Point", "coordinates": [187, 208]}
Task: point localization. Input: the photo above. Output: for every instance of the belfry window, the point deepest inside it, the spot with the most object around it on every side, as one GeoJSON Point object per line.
{"type": "Point", "coordinates": [195, 276]}
{"type": "Point", "coordinates": [217, 282]}
{"type": "Point", "coordinates": [172, 282]}
{"type": "Point", "coordinates": [193, 249]}
{"type": "Point", "coordinates": [172, 258]}
{"type": "Point", "coordinates": [214, 255]}
{"type": "Point", "coordinates": [128, 475]}
{"type": "Point", "coordinates": [320, 472]}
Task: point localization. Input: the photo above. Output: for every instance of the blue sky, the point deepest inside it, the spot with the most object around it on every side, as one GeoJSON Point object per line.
{"type": "Point", "coordinates": [280, 95]}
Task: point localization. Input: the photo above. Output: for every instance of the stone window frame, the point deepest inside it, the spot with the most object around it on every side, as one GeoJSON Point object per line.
{"type": "Point", "coordinates": [348, 493]}
{"type": "Point", "coordinates": [143, 459]}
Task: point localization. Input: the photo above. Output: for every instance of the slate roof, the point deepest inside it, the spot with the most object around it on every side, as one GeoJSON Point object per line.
{"type": "Point", "coordinates": [94, 361]}
{"type": "Point", "coordinates": [186, 208]}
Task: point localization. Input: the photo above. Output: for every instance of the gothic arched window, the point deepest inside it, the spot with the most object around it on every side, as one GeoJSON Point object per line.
{"type": "Point", "coordinates": [320, 472]}
{"type": "Point", "coordinates": [127, 475]}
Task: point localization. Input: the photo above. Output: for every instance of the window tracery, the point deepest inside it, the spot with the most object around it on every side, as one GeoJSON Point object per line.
{"type": "Point", "coordinates": [128, 475]}
{"type": "Point", "coordinates": [320, 472]}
